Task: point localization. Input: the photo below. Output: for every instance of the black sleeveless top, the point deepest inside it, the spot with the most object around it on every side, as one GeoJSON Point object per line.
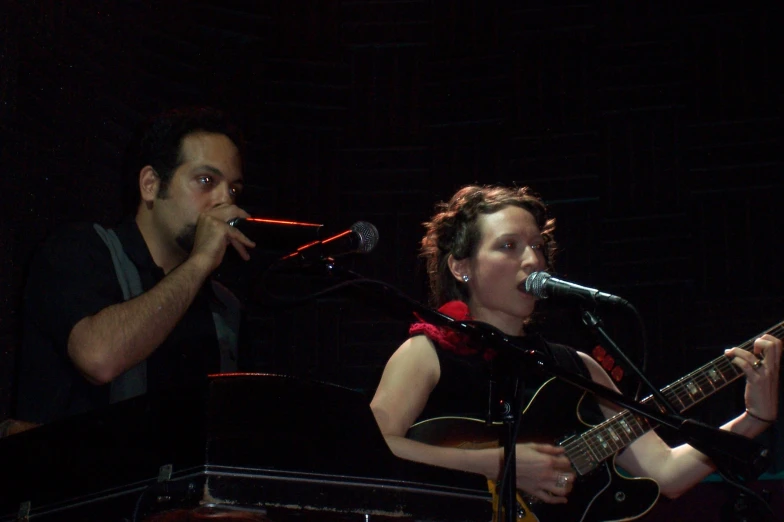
{"type": "Point", "coordinates": [469, 384]}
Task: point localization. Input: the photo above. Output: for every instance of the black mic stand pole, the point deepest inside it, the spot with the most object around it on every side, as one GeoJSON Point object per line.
{"type": "Point", "coordinates": [758, 461]}
{"type": "Point", "coordinates": [726, 449]}
{"type": "Point", "coordinates": [512, 386]}
{"type": "Point", "coordinates": [723, 447]}
{"type": "Point", "coordinates": [688, 426]}
{"type": "Point", "coordinates": [595, 324]}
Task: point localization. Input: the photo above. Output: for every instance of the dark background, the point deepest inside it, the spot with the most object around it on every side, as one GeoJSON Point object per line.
{"type": "Point", "coordinates": [652, 128]}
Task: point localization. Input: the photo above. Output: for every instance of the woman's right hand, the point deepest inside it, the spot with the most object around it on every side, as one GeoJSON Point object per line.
{"type": "Point", "coordinates": [544, 472]}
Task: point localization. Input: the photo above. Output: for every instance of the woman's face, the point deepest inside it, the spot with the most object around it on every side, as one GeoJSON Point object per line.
{"type": "Point", "coordinates": [510, 248]}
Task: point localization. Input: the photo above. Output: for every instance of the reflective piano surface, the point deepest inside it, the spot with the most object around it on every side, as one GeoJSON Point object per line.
{"type": "Point", "coordinates": [276, 446]}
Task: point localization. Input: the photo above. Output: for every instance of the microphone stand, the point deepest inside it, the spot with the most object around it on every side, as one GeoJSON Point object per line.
{"type": "Point", "coordinates": [595, 324]}
{"type": "Point", "coordinates": [739, 454]}
{"type": "Point", "coordinates": [727, 463]}
{"type": "Point", "coordinates": [725, 448]}
{"type": "Point", "coordinates": [511, 392]}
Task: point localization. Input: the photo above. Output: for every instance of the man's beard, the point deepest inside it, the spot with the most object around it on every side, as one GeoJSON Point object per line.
{"type": "Point", "coordinates": [187, 237]}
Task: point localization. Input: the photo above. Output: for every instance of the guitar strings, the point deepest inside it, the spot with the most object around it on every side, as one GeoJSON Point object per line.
{"type": "Point", "coordinates": [701, 378]}
{"type": "Point", "coordinates": [602, 441]}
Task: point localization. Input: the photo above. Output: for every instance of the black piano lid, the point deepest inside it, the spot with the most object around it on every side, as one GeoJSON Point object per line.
{"type": "Point", "coordinates": [240, 439]}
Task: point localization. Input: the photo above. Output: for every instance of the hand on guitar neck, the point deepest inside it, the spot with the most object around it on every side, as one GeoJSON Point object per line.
{"type": "Point", "coordinates": [593, 495]}
{"type": "Point", "coordinates": [761, 366]}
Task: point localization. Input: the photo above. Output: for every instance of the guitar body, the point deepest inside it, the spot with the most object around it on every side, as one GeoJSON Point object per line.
{"type": "Point", "coordinates": [601, 495]}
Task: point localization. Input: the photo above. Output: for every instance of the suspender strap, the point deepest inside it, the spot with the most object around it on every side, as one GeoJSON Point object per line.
{"type": "Point", "coordinates": [225, 315]}
{"type": "Point", "coordinates": [132, 382]}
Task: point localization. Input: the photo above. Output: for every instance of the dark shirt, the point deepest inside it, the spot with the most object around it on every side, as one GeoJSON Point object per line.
{"type": "Point", "coordinates": [464, 388]}
{"type": "Point", "coordinates": [72, 277]}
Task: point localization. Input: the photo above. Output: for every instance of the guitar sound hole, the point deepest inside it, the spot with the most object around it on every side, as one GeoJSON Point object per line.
{"type": "Point", "coordinates": [620, 496]}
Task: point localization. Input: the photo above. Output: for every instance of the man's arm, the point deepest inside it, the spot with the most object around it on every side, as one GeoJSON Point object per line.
{"type": "Point", "coordinates": [106, 344]}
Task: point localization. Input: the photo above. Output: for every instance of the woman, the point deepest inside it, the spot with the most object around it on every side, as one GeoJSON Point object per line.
{"type": "Point", "coordinates": [480, 247]}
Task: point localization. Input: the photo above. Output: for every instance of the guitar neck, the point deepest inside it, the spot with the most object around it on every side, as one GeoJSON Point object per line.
{"type": "Point", "coordinates": [606, 439]}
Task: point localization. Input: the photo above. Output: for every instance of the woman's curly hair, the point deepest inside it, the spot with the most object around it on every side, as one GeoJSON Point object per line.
{"type": "Point", "coordinates": [454, 230]}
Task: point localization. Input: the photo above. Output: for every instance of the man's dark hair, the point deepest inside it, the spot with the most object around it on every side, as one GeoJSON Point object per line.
{"type": "Point", "coordinates": [159, 143]}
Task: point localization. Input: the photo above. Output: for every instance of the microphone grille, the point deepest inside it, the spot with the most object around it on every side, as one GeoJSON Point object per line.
{"type": "Point", "coordinates": [534, 284]}
{"type": "Point", "coordinates": [368, 236]}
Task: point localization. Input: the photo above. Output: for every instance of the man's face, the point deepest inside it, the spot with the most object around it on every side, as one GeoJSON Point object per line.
{"type": "Point", "coordinates": [210, 176]}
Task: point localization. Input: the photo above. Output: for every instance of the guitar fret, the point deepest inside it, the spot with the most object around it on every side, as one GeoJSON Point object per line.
{"type": "Point", "coordinates": [694, 389]}
{"type": "Point", "coordinates": [626, 428]}
{"type": "Point", "coordinates": [607, 440]}
{"type": "Point", "coordinates": [683, 405]}
{"type": "Point", "coordinates": [582, 460]}
{"type": "Point", "coordinates": [608, 437]}
{"type": "Point", "coordinates": [712, 375]}
{"type": "Point", "coordinates": [641, 424]}
{"type": "Point", "coordinates": [670, 395]}
{"type": "Point", "coordinates": [595, 449]}
{"type": "Point", "coordinates": [604, 445]}
{"type": "Point", "coordinates": [607, 444]}
{"type": "Point", "coordinates": [590, 449]}
{"type": "Point", "coordinates": [615, 438]}
{"type": "Point", "coordinates": [684, 399]}
{"type": "Point", "coordinates": [710, 381]}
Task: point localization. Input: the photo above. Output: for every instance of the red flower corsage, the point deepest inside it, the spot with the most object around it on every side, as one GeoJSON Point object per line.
{"type": "Point", "coordinates": [447, 338]}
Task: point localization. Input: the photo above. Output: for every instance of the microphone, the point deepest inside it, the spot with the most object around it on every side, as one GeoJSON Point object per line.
{"type": "Point", "coordinates": [277, 236]}
{"type": "Point", "coordinates": [361, 238]}
{"type": "Point", "coordinates": [543, 285]}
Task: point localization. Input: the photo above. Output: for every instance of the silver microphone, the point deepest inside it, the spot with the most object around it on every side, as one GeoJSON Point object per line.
{"type": "Point", "coordinates": [361, 238]}
{"type": "Point", "coordinates": [543, 286]}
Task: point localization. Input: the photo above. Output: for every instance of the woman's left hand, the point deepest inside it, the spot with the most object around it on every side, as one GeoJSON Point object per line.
{"type": "Point", "coordinates": [761, 366]}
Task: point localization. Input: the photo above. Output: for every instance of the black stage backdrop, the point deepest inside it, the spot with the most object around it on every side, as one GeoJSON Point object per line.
{"type": "Point", "coordinates": [653, 128]}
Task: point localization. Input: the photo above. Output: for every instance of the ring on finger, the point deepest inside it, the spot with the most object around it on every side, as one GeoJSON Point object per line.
{"type": "Point", "coordinates": [757, 364]}
{"type": "Point", "coordinates": [562, 480]}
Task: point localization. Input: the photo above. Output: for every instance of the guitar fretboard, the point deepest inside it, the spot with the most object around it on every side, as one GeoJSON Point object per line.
{"type": "Point", "coordinates": [606, 439]}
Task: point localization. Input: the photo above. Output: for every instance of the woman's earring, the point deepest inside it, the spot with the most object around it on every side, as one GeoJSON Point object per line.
{"type": "Point", "coordinates": [465, 278]}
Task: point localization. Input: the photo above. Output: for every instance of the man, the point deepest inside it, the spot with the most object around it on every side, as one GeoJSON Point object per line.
{"type": "Point", "coordinates": [87, 342]}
